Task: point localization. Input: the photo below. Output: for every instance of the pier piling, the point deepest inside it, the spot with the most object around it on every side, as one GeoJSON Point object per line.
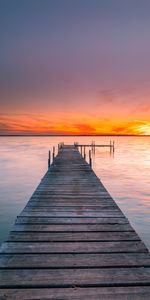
{"type": "Point", "coordinates": [53, 153]}
{"type": "Point", "coordinates": [49, 159]}
{"type": "Point", "coordinates": [90, 158]}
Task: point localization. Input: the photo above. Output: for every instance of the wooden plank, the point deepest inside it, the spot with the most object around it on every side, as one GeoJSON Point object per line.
{"type": "Point", "coordinates": [70, 185]}
{"type": "Point", "coordinates": [74, 228]}
{"type": "Point", "coordinates": [74, 260]}
{"type": "Point", "coordinates": [72, 236]}
{"type": "Point", "coordinates": [100, 214]}
{"type": "Point", "coordinates": [72, 247]}
{"type": "Point", "coordinates": [73, 221]}
{"type": "Point", "coordinates": [70, 191]}
{"type": "Point", "coordinates": [69, 205]}
{"type": "Point", "coordinates": [70, 194]}
{"type": "Point", "coordinates": [71, 198]}
{"type": "Point", "coordinates": [83, 189]}
{"type": "Point", "coordinates": [74, 293]}
{"type": "Point", "coordinates": [72, 203]}
{"type": "Point", "coordinates": [71, 208]}
{"type": "Point", "coordinates": [78, 277]}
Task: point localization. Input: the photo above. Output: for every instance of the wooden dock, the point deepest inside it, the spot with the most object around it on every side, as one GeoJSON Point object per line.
{"type": "Point", "coordinates": [72, 241]}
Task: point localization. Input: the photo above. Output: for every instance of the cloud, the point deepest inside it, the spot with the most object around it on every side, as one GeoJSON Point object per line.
{"type": "Point", "coordinates": [61, 124]}
{"type": "Point", "coordinates": [122, 130]}
{"type": "Point", "coordinates": [5, 128]}
{"type": "Point", "coordinates": [135, 127]}
{"type": "Point", "coordinates": [84, 128]}
{"type": "Point", "coordinates": [107, 95]}
{"type": "Point", "coordinates": [116, 96]}
{"type": "Point", "coordinates": [141, 108]}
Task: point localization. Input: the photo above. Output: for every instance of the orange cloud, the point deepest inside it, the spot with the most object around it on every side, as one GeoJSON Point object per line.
{"type": "Point", "coordinates": [72, 124]}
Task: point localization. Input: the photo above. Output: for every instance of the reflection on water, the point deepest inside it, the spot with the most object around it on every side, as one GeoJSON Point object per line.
{"type": "Point", "coordinates": [126, 175]}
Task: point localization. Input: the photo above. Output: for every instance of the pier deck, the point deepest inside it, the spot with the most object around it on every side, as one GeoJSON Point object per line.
{"type": "Point", "coordinates": [72, 241]}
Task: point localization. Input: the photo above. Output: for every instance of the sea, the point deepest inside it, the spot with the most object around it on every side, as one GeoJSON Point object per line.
{"type": "Point", "coordinates": [125, 173]}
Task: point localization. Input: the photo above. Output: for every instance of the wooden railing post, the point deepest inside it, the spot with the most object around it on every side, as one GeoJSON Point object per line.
{"type": "Point", "coordinates": [49, 159]}
{"type": "Point", "coordinates": [90, 158]}
{"type": "Point", "coordinates": [113, 146]}
{"type": "Point", "coordinates": [84, 153]}
{"type": "Point", "coordinates": [53, 153]}
{"type": "Point", "coordinates": [110, 147]}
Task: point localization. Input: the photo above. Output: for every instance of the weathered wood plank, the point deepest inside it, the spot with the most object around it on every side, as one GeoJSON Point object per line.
{"type": "Point", "coordinates": [71, 198]}
{"type": "Point", "coordinates": [94, 293]}
{"type": "Point", "coordinates": [72, 236]}
{"type": "Point", "coordinates": [71, 221]}
{"type": "Point", "coordinates": [72, 247]}
{"type": "Point", "coordinates": [69, 205]}
{"type": "Point", "coordinates": [74, 260]}
{"type": "Point", "coordinates": [71, 208]}
{"type": "Point", "coordinates": [100, 214]}
{"type": "Point", "coordinates": [74, 228]}
{"type": "Point", "coordinates": [78, 277]}
{"type": "Point", "coordinates": [70, 194]}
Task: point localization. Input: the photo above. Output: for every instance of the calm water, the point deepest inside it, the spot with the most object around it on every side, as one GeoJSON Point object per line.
{"type": "Point", "coordinates": [126, 175]}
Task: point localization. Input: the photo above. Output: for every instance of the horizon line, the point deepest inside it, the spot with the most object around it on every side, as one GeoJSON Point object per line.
{"type": "Point", "coordinates": [46, 135]}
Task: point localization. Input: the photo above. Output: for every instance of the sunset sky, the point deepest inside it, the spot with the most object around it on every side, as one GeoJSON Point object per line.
{"type": "Point", "coordinates": [75, 67]}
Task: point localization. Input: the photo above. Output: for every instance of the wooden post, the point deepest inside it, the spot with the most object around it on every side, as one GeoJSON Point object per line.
{"type": "Point", "coordinates": [110, 146]}
{"type": "Point", "coordinates": [84, 153]}
{"type": "Point", "coordinates": [53, 153]}
{"type": "Point", "coordinates": [90, 158]}
{"type": "Point", "coordinates": [49, 159]}
{"type": "Point", "coordinates": [113, 146]}
{"type": "Point", "coordinates": [81, 150]}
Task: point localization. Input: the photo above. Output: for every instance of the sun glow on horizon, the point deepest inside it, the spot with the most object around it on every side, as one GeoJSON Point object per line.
{"type": "Point", "coordinates": [72, 124]}
{"type": "Point", "coordinates": [144, 129]}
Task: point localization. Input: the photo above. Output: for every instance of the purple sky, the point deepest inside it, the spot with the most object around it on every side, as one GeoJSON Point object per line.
{"type": "Point", "coordinates": [77, 57]}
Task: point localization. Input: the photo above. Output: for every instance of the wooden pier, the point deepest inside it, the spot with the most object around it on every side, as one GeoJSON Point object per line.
{"type": "Point", "coordinates": [111, 146]}
{"type": "Point", "coordinates": [72, 241]}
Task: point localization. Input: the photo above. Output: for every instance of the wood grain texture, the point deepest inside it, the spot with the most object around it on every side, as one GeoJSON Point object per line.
{"type": "Point", "coordinates": [73, 227]}
{"type": "Point", "coordinates": [71, 220]}
{"type": "Point", "coordinates": [83, 260]}
{"type": "Point", "coordinates": [78, 213]}
{"type": "Point", "coordinates": [75, 277]}
{"type": "Point", "coordinates": [72, 236]}
{"type": "Point", "coordinates": [73, 247]}
{"type": "Point", "coordinates": [75, 293]}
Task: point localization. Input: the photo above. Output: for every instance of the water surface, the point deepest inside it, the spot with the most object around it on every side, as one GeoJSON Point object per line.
{"type": "Point", "coordinates": [126, 175]}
